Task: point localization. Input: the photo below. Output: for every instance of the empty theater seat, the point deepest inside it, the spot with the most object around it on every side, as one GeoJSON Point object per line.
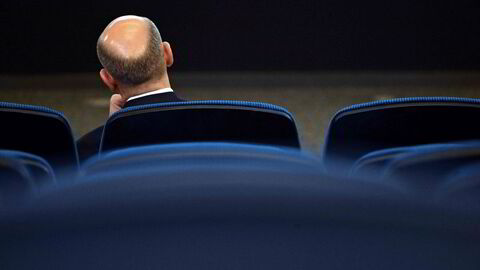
{"type": "Point", "coordinates": [197, 121]}
{"type": "Point", "coordinates": [40, 131]}
{"type": "Point", "coordinates": [378, 161]}
{"type": "Point", "coordinates": [422, 167]}
{"type": "Point", "coordinates": [462, 186]}
{"type": "Point", "coordinates": [205, 214]}
{"type": "Point", "coordinates": [212, 156]}
{"type": "Point", "coordinates": [360, 129]}
{"type": "Point", "coordinates": [22, 174]}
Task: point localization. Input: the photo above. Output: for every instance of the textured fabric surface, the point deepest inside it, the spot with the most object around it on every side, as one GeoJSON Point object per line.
{"type": "Point", "coordinates": [407, 100]}
{"type": "Point", "coordinates": [235, 103]}
{"type": "Point", "coordinates": [32, 108]}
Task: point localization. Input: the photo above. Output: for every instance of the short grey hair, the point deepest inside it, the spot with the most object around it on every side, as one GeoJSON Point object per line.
{"type": "Point", "coordinates": [138, 70]}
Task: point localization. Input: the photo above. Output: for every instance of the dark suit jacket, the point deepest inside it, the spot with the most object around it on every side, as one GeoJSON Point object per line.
{"type": "Point", "coordinates": [89, 144]}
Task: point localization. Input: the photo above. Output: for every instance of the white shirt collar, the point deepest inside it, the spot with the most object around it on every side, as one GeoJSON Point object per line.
{"type": "Point", "coordinates": [159, 91]}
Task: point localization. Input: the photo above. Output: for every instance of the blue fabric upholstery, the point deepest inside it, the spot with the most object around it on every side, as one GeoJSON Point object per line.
{"type": "Point", "coordinates": [21, 174]}
{"type": "Point", "coordinates": [236, 103]}
{"type": "Point", "coordinates": [423, 167]}
{"type": "Point", "coordinates": [408, 100]}
{"type": "Point", "coordinates": [230, 206]}
{"type": "Point", "coordinates": [427, 169]}
{"type": "Point", "coordinates": [197, 121]}
{"type": "Point", "coordinates": [40, 131]}
{"type": "Point", "coordinates": [215, 156]}
{"type": "Point", "coordinates": [32, 108]}
{"type": "Point", "coordinates": [363, 128]}
{"type": "Point", "coordinates": [377, 161]}
{"type": "Point", "coordinates": [462, 186]}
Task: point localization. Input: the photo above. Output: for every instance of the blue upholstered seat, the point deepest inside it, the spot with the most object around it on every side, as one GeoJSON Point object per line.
{"type": "Point", "coordinates": [231, 206]}
{"type": "Point", "coordinates": [462, 186]}
{"type": "Point", "coordinates": [422, 167]}
{"type": "Point", "coordinates": [379, 161]}
{"type": "Point", "coordinates": [200, 121]}
{"type": "Point", "coordinates": [40, 131]}
{"type": "Point", "coordinates": [213, 156]}
{"type": "Point", "coordinates": [22, 174]}
{"type": "Point", "coordinates": [360, 129]}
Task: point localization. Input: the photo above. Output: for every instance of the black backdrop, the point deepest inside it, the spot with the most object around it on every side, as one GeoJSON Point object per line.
{"type": "Point", "coordinates": [46, 37]}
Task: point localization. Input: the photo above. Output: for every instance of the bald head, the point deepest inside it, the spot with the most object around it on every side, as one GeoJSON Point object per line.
{"type": "Point", "coordinates": [130, 49]}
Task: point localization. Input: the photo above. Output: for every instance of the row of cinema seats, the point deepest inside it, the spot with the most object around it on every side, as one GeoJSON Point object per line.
{"type": "Point", "coordinates": [427, 144]}
{"type": "Point", "coordinates": [225, 184]}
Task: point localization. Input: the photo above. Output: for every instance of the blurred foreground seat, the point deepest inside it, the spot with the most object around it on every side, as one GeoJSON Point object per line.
{"type": "Point", "coordinates": [200, 121]}
{"type": "Point", "coordinates": [462, 186]}
{"type": "Point", "coordinates": [231, 206]}
{"type": "Point", "coordinates": [360, 129]}
{"type": "Point", "coordinates": [212, 156]}
{"type": "Point", "coordinates": [423, 167]}
{"type": "Point", "coordinates": [21, 175]}
{"type": "Point", "coordinates": [40, 131]}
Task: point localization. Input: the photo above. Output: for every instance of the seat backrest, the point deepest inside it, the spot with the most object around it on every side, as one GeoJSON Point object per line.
{"type": "Point", "coordinates": [427, 170]}
{"type": "Point", "coordinates": [360, 129]}
{"type": "Point", "coordinates": [462, 186]}
{"type": "Point", "coordinates": [38, 130]}
{"type": "Point", "coordinates": [378, 161]}
{"type": "Point", "coordinates": [200, 121]}
{"type": "Point", "coordinates": [197, 212]}
{"type": "Point", "coordinates": [212, 155]}
{"type": "Point", "coordinates": [21, 174]}
{"type": "Point", "coordinates": [423, 167]}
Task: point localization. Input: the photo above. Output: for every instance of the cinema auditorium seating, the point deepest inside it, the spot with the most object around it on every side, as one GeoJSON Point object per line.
{"type": "Point", "coordinates": [462, 186]}
{"type": "Point", "coordinates": [360, 129]}
{"type": "Point", "coordinates": [250, 198]}
{"type": "Point", "coordinates": [379, 160]}
{"type": "Point", "coordinates": [422, 167]}
{"type": "Point", "coordinates": [231, 206]}
{"type": "Point", "coordinates": [200, 121]}
{"type": "Point", "coordinates": [213, 156]}
{"type": "Point", "coordinates": [22, 174]}
{"type": "Point", "coordinates": [40, 131]}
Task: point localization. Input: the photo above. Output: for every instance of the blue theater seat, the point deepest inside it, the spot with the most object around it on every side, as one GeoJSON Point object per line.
{"type": "Point", "coordinates": [40, 131]}
{"type": "Point", "coordinates": [360, 129]}
{"type": "Point", "coordinates": [197, 121]}
{"type": "Point", "coordinates": [21, 175]}
{"type": "Point", "coordinates": [213, 156]}
{"type": "Point", "coordinates": [462, 186]}
{"type": "Point", "coordinates": [378, 161]}
{"type": "Point", "coordinates": [231, 206]}
{"type": "Point", "coordinates": [422, 167]}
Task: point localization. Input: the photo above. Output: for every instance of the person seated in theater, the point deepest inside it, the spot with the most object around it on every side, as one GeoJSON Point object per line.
{"type": "Point", "coordinates": [135, 62]}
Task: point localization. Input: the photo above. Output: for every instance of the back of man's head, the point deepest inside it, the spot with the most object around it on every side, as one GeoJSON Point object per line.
{"type": "Point", "coordinates": [130, 49]}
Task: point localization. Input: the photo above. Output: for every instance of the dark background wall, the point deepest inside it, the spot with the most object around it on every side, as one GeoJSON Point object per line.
{"type": "Point", "coordinates": [43, 37]}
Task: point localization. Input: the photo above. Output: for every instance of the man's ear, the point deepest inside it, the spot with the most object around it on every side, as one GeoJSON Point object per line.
{"type": "Point", "coordinates": [167, 54]}
{"type": "Point", "coordinates": [108, 80]}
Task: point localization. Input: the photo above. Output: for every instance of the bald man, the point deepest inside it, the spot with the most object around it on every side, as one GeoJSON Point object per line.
{"type": "Point", "coordinates": [135, 62]}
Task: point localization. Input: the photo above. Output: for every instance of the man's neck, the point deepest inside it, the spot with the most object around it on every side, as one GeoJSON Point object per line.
{"type": "Point", "coordinates": [145, 88]}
